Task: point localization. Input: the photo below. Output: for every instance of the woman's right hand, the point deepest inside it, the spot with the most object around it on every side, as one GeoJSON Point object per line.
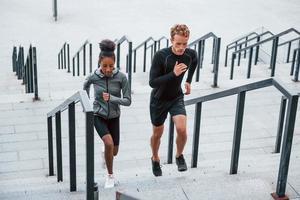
{"type": "Point", "coordinates": [105, 96]}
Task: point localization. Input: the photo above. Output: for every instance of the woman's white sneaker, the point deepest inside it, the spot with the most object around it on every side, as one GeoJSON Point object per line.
{"type": "Point", "coordinates": [110, 181]}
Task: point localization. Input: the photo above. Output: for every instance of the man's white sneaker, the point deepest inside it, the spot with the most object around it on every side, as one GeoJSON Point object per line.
{"type": "Point", "coordinates": [110, 181]}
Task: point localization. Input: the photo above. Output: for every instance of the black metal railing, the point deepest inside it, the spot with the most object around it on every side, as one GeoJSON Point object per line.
{"type": "Point", "coordinates": [159, 41]}
{"type": "Point", "coordinates": [18, 62]}
{"type": "Point", "coordinates": [128, 57]}
{"type": "Point", "coordinates": [295, 61]}
{"type": "Point", "coordinates": [26, 71]}
{"type": "Point", "coordinates": [289, 43]}
{"type": "Point", "coordinates": [241, 95]}
{"type": "Point", "coordinates": [250, 48]}
{"type": "Point", "coordinates": [153, 45]}
{"type": "Point", "coordinates": [143, 44]}
{"type": "Point", "coordinates": [64, 57]}
{"type": "Point", "coordinates": [239, 45]}
{"type": "Point", "coordinates": [199, 46]}
{"type": "Point", "coordinates": [76, 59]}
{"type": "Point", "coordinates": [54, 9]}
{"type": "Point", "coordinates": [69, 104]}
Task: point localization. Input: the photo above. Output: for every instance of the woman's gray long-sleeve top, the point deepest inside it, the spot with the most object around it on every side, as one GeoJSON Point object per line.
{"type": "Point", "coordinates": [113, 85]}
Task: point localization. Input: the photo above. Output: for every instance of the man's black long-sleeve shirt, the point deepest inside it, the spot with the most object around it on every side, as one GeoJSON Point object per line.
{"type": "Point", "coordinates": [166, 85]}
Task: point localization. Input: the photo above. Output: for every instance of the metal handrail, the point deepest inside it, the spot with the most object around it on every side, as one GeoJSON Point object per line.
{"type": "Point", "coordinates": [295, 61]}
{"type": "Point", "coordinates": [142, 44]}
{"type": "Point", "coordinates": [76, 57]}
{"type": "Point", "coordinates": [268, 39]}
{"type": "Point", "coordinates": [154, 47]}
{"type": "Point", "coordinates": [242, 38]}
{"type": "Point", "coordinates": [26, 71]}
{"type": "Point", "coordinates": [82, 97]}
{"type": "Point", "coordinates": [208, 35]}
{"type": "Point", "coordinates": [257, 37]}
{"type": "Point", "coordinates": [248, 40]}
{"type": "Point", "coordinates": [291, 40]}
{"type": "Point", "coordinates": [128, 57]}
{"type": "Point", "coordinates": [64, 56]}
{"type": "Point", "coordinates": [292, 98]}
{"type": "Point", "coordinates": [200, 42]}
{"type": "Point", "coordinates": [274, 38]}
{"type": "Point", "coordinates": [81, 47]}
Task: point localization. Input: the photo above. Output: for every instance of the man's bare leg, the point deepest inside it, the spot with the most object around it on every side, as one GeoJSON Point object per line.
{"type": "Point", "coordinates": [155, 141]}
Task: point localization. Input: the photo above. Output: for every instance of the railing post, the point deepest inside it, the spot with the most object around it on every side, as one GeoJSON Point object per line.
{"type": "Point", "coordinates": [55, 9]}
{"type": "Point", "coordinates": [216, 62]}
{"type": "Point", "coordinates": [239, 56]}
{"type": "Point", "coordinates": [18, 62]}
{"type": "Point", "coordinates": [90, 155]}
{"type": "Point", "coordinates": [155, 47]}
{"type": "Point", "coordinates": [65, 56]}
{"type": "Point", "coordinates": [293, 62]}
{"type": "Point", "coordinates": [199, 61]}
{"type": "Point", "coordinates": [27, 74]}
{"type": "Point", "coordinates": [72, 146]}
{"type": "Point", "coordinates": [196, 135]}
{"type": "Point", "coordinates": [171, 141]}
{"type": "Point", "coordinates": [127, 63]}
{"type": "Point", "coordinates": [280, 124]}
{"type": "Point", "coordinates": [84, 60]}
{"type": "Point", "coordinates": [158, 45]}
{"type": "Point", "coordinates": [296, 77]}
{"type": "Point", "coordinates": [14, 58]}
{"type": "Point", "coordinates": [30, 70]}
{"type": "Point", "coordinates": [232, 66]}
{"type": "Point", "coordinates": [237, 132]}
{"type": "Point", "coordinates": [257, 51]}
{"type": "Point", "coordinates": [73, 65]}
{"type": "Point", "coordinates": [130, 64]}
{"type": "Point", "coordinates": [274, 56]}
{"type": "Point", "coordinates": [246, 44]}
{"type": "Point", "coordinates": [58, 60]}
{"type": "Point", "coordinates": [24, 73]}
{"type": "Point", "coordinates": [91, 57]}
{"type": "Point", "coordinates": [22, 69]}
{"type": "Point", "coordinates": [61, 59]}
{"type": "Point", "coordinates": [118, 55]}
{"type": "Point", "coordinates": [151, 52]}
{"type": "Point", "coordinates": [288, 53]}
{"type": "Point", "coordinates": [134, 61]}
{"type": "Point", "coordinates": [58, 146]}
{"type": "Point", "coordinates": [286, 147]}
{"type": "Point", "coordinates": [226, 56]}
{"type": "Point", "coordinates": [78, 70]}
{"type": "Point", "coordinates": [213, 51]}
{"type": "Point", "coordinates": [50, 146]}
{"type": "Point", "coordinates": [68, 49]}
{"type": "Point", "coordinates": [250, 63]}
{"type": "Point", "coordinates": [36, 89]}
{"type": "Point", "coordinates": [202, 53]}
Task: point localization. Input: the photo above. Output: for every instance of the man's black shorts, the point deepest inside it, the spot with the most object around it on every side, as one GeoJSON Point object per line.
{"type": "Point", "coordinates": [159, 109]}
{"type": "Point", "coordinates": [108, 126]}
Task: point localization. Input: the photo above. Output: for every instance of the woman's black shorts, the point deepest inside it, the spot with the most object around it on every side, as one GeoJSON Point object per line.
{"type": "Point", "coordinates": [108, 126]}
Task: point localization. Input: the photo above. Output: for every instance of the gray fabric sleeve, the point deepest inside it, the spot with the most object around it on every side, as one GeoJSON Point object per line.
{"type": "Point", "coordinates": [125, 100]}
{"type": "Point", "coordinates": [87, 83]}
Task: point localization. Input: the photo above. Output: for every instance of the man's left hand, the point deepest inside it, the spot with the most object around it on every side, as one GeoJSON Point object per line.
{"type": "Point", "coordinates": [187, 88]}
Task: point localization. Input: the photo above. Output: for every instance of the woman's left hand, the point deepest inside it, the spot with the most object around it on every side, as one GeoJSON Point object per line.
{"type": "Point", "coordinates": [105, 96]}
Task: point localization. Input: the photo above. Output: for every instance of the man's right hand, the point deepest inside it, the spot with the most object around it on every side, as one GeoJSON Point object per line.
{"type": "Point", "coordinates": [179, 68]}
